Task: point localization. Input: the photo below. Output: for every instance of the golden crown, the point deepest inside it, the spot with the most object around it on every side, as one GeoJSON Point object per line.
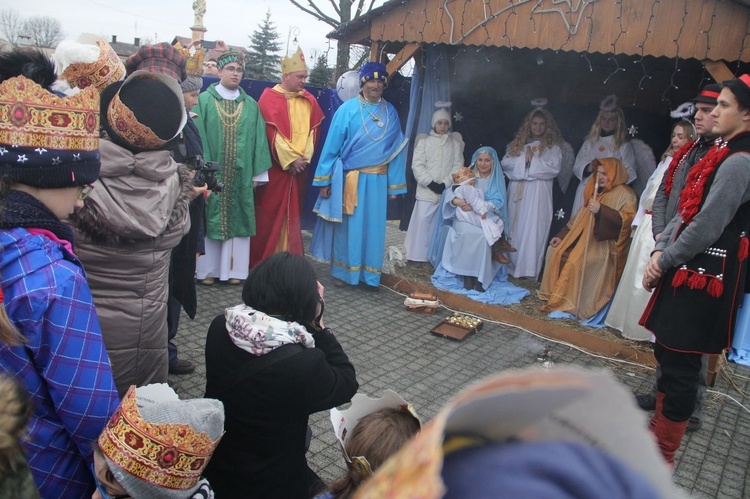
{"type": "Point", "coordinates": [294, 63]}
{"type": "Point", "coordinates": [31, 116]}
{"type": "Point", "coordinates": [167, 455]}
{"type": "Point", "coordinates": [108, 68]}
{"type": "Point", "coordinates": [194, 59]}
{"type": "Point", "coordinates": [462, 175]}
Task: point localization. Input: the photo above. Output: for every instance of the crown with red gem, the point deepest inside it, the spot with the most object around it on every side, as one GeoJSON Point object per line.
{"type": "Point", "coordinates": [81, 72]}
{"type": "Point", "coordinates": [46, 140]}
{"type": "Point", "coordinates": [167, 455]}
{"type": "Point", "coordinates": [295, 62]}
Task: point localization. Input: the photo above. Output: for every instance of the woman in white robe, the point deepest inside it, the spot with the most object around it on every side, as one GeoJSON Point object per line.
{"type": "Point", "coordinates": [607, 139]}
{"type": "Point", "coordinates": [631, 298]}
{"type": "Point", "coordinates": [436, 157]}
{"type": "Point", "coordinates": [531, 163]}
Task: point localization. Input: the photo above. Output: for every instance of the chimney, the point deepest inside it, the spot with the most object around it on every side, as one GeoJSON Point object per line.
{"type": "Point", "coordinates": [137, 42]}
{"type": "Point", "coordinates": [114, 38]}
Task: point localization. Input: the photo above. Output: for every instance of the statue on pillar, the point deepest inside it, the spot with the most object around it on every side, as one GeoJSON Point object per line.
{"type": "Point", "coordinates": [199, 10]}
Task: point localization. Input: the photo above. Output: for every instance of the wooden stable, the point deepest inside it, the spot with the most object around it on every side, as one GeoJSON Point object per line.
{"type": "Point", "coordinates": [714, 32]}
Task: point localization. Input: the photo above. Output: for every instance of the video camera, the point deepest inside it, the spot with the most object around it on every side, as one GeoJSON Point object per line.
{"type": "Point", "coordinates": [204, 173]}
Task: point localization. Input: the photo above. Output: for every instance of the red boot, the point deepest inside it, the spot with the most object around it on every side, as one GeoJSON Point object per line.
{"type": "Point", "coordinates": [668, 433]}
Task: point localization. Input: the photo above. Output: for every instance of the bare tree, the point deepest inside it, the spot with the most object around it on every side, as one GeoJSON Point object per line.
{"type": "Point", "coordinates": [343, 14]}
{"type": "Point", "coordinates": [43, 31]}
{"type": "Point", "coordinates": [11, 26]}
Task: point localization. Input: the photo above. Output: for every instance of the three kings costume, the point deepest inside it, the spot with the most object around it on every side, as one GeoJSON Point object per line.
{"type": "Point", "coordinates": [231, 128]}
{"type": "Point", "coordinates": [293, 127]}
{"type": "Point", "coordinates": [582, 272]}
{"type": "Point", "coordinates": [363, 160]}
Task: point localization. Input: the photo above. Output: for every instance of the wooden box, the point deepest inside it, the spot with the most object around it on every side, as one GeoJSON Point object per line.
{"type": "Point", "coordinates": [454, 331]}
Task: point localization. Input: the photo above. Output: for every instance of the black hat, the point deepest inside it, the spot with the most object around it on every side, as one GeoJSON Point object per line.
{"type": "Point", "coordinates": [146, 112]}
{"type": "Point", "coordinates": [708, 94]}
{"type": "Point", "coordinates": [740, 87]}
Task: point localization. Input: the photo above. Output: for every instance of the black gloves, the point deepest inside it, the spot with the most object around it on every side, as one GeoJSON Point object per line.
{"type": "Point", "coordinates": [436, 187]}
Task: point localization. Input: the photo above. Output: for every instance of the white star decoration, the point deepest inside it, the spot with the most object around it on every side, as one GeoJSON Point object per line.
{"type": "Point", "coordinates": [76, 157]}
{"type": "Point", "coordinates": [560, 214]}
{"type": "Point", "coordinates": [14, 146]}
{"type": "Point", "coordinates": [458, 116]}
{"type": "Point", "coordinates": [633, 130]}
{"type": "Point", "coordinates": [3, 151]}
{"type": "Point", "coordinates": [22, 158]}
{"type": "Point", "coordinates": [40, 150]}
{"type": "Point", "coordinates": [56, 161]}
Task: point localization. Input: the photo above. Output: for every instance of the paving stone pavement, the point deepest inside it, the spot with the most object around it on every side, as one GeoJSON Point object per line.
{"type": "Point", "coordinates": [393, 348]}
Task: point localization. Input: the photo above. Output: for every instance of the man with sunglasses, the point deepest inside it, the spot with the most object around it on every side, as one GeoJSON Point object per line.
{"type": "Point", "coordinates": [232, 130]}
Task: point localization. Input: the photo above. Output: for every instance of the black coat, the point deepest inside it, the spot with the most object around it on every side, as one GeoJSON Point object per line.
{"type": "Point", "coordinates": [262, 453]}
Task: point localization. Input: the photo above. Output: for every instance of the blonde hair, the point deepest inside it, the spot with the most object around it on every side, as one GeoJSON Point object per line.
{"type": "Point", "coordinates": [376, 437]}
{"type": "Point", "coordinates": [619, 136]}
{"type": "Point", "coordinates": [552, 135]}
{"type": "Point", "coordinates": [690, 134]}
{"type": "Point", "coordinates": [15, 410]}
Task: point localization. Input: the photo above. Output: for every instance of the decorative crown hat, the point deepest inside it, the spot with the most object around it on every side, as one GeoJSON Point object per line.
{"type": "Point", "coordinates": [229, 56]}
{"type": "Point", "coordinates": [143, 113]}
{"type": "Point", "coordinates": [48, 141]}
{"type": "Point", "coordinates": [83, 65]}
{"type": "Point", "coordinates": [295, 62]}
{"type": "Point", "coordinates": [194, 57]}
{"type": "Point", "coordinates": [462, 175]}
{"type": "Point", "coordinates": [161, 449]}
{"type": "Point", "coordinates": [373, 71]}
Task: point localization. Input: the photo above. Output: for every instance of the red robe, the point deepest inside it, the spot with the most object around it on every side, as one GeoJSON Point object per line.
{"type": "Point", "coordinates": [278, 203]}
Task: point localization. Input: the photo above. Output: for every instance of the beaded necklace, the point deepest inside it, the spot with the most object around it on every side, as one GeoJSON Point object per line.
{"type": "Point", "coordinates": [674, 165]}
{"type": "Point", "coordinates": [377, 119]}
{"type": "Point", "coordinates": [692, 194]}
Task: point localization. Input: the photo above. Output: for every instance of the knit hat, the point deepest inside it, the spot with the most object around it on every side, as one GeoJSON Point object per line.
{"type": "Point", "coordinates": [709, 94]}
{"type": "Point", "coordinates": [442, 113]}
{"type": "Point", "coordinates": [160, 448]}
{"type": "Point", "coordinates": [373, 71]}
{"type": "Point", "coordinates": [462, 175]}
{"type": "Point", "coordinates": [191, 83]}
{"type": "Point", "coordinates": [740, 87]}
{"type": "Point", "coordinates": [294, 63]}
{"type": "Point", "coordinates": [229, 56]}
{"type": "Point", "coordinates": [48, 141]}
{"type": "Point", "coordinates": [82, 65]}
{"type": "Point", "coordinates": [160, 58]}
{"type": "Point", "coordinates": [143, 113]}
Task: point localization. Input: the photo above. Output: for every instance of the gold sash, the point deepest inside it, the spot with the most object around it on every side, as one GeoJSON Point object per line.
{"type": "Point", "coordinates": [351, 182]}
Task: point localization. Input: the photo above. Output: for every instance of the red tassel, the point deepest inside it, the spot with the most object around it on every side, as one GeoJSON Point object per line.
{"type": "Point", "coordinates": [680, 278]}
{"type": "Point", "coordinates": [742, 251]}
{"type": "Point", "coordinates": [697, 281]}
{"type": "Point", "coordinates": [715, 287]}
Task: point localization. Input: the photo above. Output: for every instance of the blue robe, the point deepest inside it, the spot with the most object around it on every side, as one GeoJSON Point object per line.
{"type": "Point", "coordinates": [354, 243]}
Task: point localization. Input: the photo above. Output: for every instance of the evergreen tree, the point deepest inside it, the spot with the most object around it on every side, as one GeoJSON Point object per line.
{"type": "Point", "coordinates": [262, 61]}
{"type": "Point", "coordinates": [321, 75]}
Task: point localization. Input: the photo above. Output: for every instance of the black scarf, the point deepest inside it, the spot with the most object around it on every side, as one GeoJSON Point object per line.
{"type": "Point", "coordinates": [20, 209]}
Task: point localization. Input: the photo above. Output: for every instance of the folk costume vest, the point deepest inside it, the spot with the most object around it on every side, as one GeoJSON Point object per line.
{"type": "Point", "coordinates": [695, 305]}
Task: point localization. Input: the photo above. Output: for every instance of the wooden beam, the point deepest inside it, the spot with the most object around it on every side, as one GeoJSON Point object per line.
{"type": "Point", "coordinates": [404, 55]}
{"type": "Point", "coordinates": [718, 70]}
{"type": "Point", "coordinates": [375, 48]}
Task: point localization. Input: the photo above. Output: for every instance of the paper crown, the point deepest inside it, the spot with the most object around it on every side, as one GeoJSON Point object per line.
{"type": "Point", "coordinates": [169, 455]}
{"type": "Point", "coordinates": [194, 66]}
{"type": "Point", "coordinates": [462, 175]}
{"type": "Point", "coordinates": [229, 56]}
{"type": "Point", "coordinates": [295, 62]}
{"type": "Point", "coordinates": [79, 71]}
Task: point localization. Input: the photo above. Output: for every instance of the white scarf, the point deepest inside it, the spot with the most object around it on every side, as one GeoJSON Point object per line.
{"type": "Point", "coordinates": [258, 333]}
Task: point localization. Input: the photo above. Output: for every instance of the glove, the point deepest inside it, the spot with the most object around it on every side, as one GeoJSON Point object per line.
{"type": "Point", "coordinates": [436, 187]}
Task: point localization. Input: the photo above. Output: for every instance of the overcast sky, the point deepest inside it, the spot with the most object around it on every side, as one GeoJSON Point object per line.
{"type": "Point", "coordinates": [161, 20]}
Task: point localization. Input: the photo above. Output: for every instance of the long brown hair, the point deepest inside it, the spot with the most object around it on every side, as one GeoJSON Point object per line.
{"type": "Point", "coordinates": [619, 136]}
{"type": "Point", "coordinates": [376, 437]}
{"type": "Point", "coordinates": [552, 135]}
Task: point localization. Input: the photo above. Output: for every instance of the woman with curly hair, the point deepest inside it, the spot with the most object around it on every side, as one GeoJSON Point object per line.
{"type": "Point", "coordinates": [531, 163]}
{"type": "Point", "coordinates": [608, 138]}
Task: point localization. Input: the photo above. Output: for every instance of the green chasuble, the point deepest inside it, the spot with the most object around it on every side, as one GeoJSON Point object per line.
{"type": "Point", "coordinates": [233, 134]}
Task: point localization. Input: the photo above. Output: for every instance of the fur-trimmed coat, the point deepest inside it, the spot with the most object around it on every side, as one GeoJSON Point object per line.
{"type": "Point", "coordinates": [136, 214]}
